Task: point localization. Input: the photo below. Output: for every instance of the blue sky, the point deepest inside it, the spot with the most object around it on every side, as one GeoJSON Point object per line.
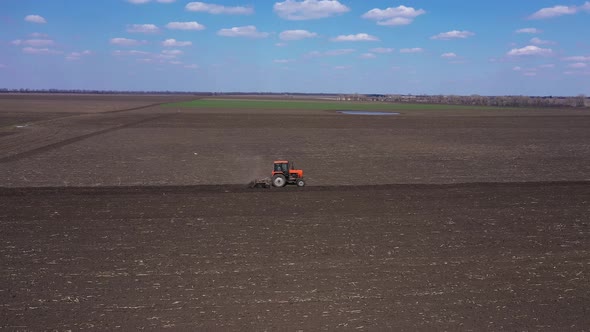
{"type": "Point", "coordinates": [462, 47]}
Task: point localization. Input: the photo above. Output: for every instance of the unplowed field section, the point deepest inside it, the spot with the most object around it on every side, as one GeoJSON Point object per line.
{"type": "Point", "coordinates": [38, 123]}
{"type": "Point", "coordinates": [168, 146]}
{"type": "Point", "coordinates": [480, 256]}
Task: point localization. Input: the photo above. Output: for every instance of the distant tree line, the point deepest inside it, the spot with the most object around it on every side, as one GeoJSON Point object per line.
{"type": "Point", "coordinates": [475, 100]}
{"type": "Point", "coordinates": [101, 92]}
{"type": "Point", "coordinates": [159, 92]}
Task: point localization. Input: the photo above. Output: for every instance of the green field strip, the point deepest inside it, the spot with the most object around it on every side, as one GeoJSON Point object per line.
{"type": "Point", "coordinates": [316, 105]}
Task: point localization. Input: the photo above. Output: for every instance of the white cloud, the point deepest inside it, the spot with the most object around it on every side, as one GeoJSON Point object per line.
{"type": "Point", "coordinates": [355, 38]}
{"type": "Point", "coordinates": [554, 12]}
{"type": "Point", "coordinates": [175, 62]}
{"type": "Point", "coordinates": [539, 41]}
{"type": "Point", "coordinates": [449, 55]}
{"type": "Point", "coordinates": [343, 51]}
{"type": "Point", "coordinates": [578, 65]}
{"type": "Point", "coordinates": [368, 56]}
{"type": "Point", "coordinates": [175, 43]}
{"type": "Point", "coordinates": [131, 52]}
{"type": "Point", "coordinates": [529, 30]}
{"type": "Point", "coordinates": [382, 50]}
{"type": "Point", "coordinates": [401, 15]}
{"type": "Point", "coordinates": [342, 67]}
{"type": "Point", "coordinates": [172, 52]}
{"type": "Point", "coordinates": [39, 35]}
{"type": "Point", "coordinates": [411, 50]}
{"type": "Point", "coordinates": [530, 50]}
{"type": "Point", "coordinates": [126, 42]}
{"type": "Point", "coordinates": [39, 42]}
{"type": "Point", "coordinates": [77, 55]}
{"type": "Point", "coordinates": [248, 31]}
{"type": "Point", "coordinates": [283, 60]}
{"type": "Point", "coordinates": [35, 19]}
{"type": "Point", "coordinates": [33, 50]}
{"type": "Point", "coordinates": [337, 52]}
{"type": "Point", "coordinates": [33, 42]}
{"type": "Point", "coordinates": [193, 66]}
{"type": "Point", "coordinates": [296, 34]}
{"type": "Point", "coordinates": [309, 9]}
{"type": "Point", "coordinates": [577, 58]}
{"type": "Point", "coordinates": [163, 57]}
{"type": "Point", "coordinates": [142, 28]}
{"type": "Point", "coordinates": [526, 71]}
{"type": "Point", "coordinates": [185, 26]}
{"type": "Point", "coordinates": [218, 9]}
{"type": "Point", "coordinates": [547, 66]}
{"type": "Point", "coordinates": [281, 44]}
{"type": "Point", "coordinates": [455, 34]}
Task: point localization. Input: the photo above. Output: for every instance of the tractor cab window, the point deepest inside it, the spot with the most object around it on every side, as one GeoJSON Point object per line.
{"type": "Point", "coordinates": [285, 167]}
{"type": "Point", "coordinates": [278, 168]}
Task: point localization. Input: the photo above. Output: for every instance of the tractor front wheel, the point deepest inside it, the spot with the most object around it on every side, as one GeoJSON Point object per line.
{"type": "Point", "coordinates": [300, 183]}
{"type": "Point", "coordinates": [279, 180]}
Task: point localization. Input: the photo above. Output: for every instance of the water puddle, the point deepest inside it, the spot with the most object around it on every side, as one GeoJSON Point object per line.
{"type": "Point", "coordinates": [374, 113]}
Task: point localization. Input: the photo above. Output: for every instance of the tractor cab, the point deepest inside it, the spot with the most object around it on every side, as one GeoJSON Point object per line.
{"type": "Point", "coordinates": [285, 173]}
{"type": "Point", "coordinates": [281, 167]}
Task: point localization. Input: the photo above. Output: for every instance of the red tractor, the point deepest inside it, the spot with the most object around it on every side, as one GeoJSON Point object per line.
{"type": "Point", "coordinates": [284, 173]}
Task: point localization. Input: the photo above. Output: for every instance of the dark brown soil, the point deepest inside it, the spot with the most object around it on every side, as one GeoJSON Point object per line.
{"type": "Point", "coordinates": [480, 257]}
{"type": "Point", "coordinates": [427, 221]}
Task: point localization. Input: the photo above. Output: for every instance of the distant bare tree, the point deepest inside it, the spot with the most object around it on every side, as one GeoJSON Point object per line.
{"type": "Point", "coordinates": [581, 100]}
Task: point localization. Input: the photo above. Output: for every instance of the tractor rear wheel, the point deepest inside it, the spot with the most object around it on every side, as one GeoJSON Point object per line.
{"type": "Point", "coordinates": [279, 180]}
{"type": "Point", "coordinates": [300, 183]}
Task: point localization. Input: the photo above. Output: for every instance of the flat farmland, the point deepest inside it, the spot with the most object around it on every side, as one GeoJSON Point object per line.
{"type": "Point", "coordinates": [128, 212]}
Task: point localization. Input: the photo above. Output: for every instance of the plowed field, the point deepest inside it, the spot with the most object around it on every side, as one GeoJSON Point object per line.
{"type": "Point", "coordinates": [124, 212]}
